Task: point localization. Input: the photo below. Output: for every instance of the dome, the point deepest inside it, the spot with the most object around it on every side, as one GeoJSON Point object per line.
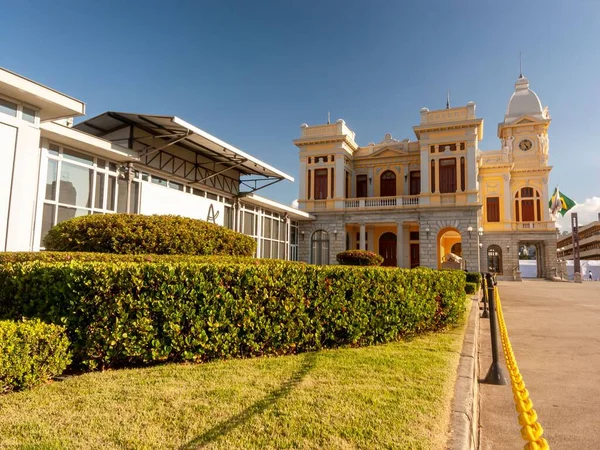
{"type": "Point", "coordinates": [523, 100]}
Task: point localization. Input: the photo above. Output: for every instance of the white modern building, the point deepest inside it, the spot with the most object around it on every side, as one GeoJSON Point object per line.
{"type": "Point", "coordinates": [121, 162]}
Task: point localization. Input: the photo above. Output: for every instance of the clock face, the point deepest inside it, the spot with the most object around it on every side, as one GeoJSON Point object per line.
{"type": "Point", "coordinates": [525, 144]}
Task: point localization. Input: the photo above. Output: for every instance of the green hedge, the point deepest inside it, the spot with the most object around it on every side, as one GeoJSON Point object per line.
{"type": "Point", "coordinates": [31, 352]}
{"type": "Point", "coordinates": [474, 277]}
{"type": "Point", "coordinates": [138, 234]}
{"type": "Point", "coordinates": [120, 313]}
{"type": "Point", "coordinates": [16, 257]}
{"type": "Point", "coordinates": [471, 288]}
{"type": "Point", "coordinates": [359, 258]}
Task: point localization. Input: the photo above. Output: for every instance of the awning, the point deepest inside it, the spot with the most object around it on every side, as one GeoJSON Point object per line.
{"type": "Point", "coordinates": [184, 135]}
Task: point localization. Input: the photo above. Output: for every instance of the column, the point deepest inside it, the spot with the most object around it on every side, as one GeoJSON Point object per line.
{"type": "Point", "coordinates": [302, 179]}
{"type": "Point", "coordinates": [458, 174]}
{"type": "Point", "coordinates": [371, 238]}
{"type": "Point", "coordinates": [425, 185]}
{"type": "Point", "coordinates": [340, 176]}
{"type": "Point", "coordinates": [400, 244]}
{"type": "Point", "coordinates": [471, 168]}
{"type": "Point", "coordinates": [362, 236]}
{"type": "Point", "coordinates": [437, 175]}
{"type": "Point", "coordinates": [508, 201]}
{"type": "Point", "coordinates": [545, 210]}
{"type": "Point", "coordinates": [370, 183]}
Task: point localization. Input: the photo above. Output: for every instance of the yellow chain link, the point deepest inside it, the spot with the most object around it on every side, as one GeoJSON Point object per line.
{"type": "Point", "coordinates": [531, 430]}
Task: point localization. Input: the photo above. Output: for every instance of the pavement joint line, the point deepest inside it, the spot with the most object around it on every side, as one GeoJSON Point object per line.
{"type": "Point", "coordinates": [464, 411]}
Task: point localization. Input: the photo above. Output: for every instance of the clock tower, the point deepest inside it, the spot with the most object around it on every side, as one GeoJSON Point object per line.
{"type": "Point", "coordinates": [524, 132]}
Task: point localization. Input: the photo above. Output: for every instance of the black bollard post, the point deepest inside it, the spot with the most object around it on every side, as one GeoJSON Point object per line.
{"type": "Point", "coordinates": [495, 374]}
{"type": "Point", "coordinates": [484, 314]}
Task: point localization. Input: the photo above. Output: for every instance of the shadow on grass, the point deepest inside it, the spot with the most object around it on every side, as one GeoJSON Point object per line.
{"type": "Point", "coordinates": [273, 397]}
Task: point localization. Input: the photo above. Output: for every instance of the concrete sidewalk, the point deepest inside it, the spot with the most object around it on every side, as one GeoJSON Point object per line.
{"type": "Point", "coordinates": [554, 329]}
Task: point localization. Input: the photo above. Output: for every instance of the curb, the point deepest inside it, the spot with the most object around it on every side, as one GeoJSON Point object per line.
{"type": "Point", "coordinates": [464, 412]}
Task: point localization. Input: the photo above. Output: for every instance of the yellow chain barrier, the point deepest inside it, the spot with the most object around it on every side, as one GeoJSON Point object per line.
{"type": "Point", "coordinates": [531, 430]}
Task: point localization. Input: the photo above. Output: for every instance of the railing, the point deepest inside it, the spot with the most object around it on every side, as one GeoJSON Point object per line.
{"type": "Point", "coordinates": [320, 205]}
{"type": "Point", "coordinates": [382, 202]}
{"type": "Point", "coordinates": [448, 200]}
{"type": "Point", "coordinates": [535, 226]}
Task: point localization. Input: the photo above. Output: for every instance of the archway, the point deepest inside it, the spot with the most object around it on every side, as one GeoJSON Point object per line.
{"type": "Point", "coordinates": [531, 260]}
{"type": "Point", "coordinates": [448, 241]}
{"type": "Point", "coordinates": [387, 249]}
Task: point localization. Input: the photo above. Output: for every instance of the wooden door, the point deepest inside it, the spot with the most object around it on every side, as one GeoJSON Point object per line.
{"type": "Point", "coordinates": [527, 211]}
{"type": "Point", "coordinates": [388, 184]}
{"type": "Point", "coordinates": [387, 249]}
{"type": "Point", "coordinates": [414, 255]}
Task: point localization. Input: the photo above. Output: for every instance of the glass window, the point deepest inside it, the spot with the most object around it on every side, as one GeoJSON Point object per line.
{"type": "Point", "coordinates": [320, 247]}
{"type": "Point", "coordinates": [112, 167]}
{"type": "Point", "coordinates": [28, 115]}
{"type": "Point", "coordinates": [266, 227]}
{"type": "Point", "coordinates": [212, 196]}
{"type": "Point", "coordinates": [53, 149]}
{"type": "Point", "coordinates": [7, 107]}
{"type": "Point", "coordinates": [494, 255]}
{"type": "Point", "coordinates": [101, 163]}
{"type": "Point", "coordinates": [51, 179]}
{"type": "Point", "coordinates": [176, 186]}
{"type": "Point", "coordinates": [110, 204]}
{"type": "Point", "coordinates": [99, 197]}
{"type": "Point", "coordinates": [135, 195]}
{"type": "Point", "coordinates": [122, 196]}
{"type": "Point", "coordinates": [248, 223]}
{"type": "Point", "coordinates": [266, 249]}
{"type": "Point", "coordinates": [77, 156]}
{"type": "Point", "coordinates": [493, 209]}
{"type": "Point", "coordinates": [66, 213]}
{"type": "Point", "coordinates": [199, 192]}
{"type": "Point", "coordinates": [47, 219]}
{"type": "Point", "coordinates": [158, 180]}
{"type": "Point", "coordinates": [75, 185]}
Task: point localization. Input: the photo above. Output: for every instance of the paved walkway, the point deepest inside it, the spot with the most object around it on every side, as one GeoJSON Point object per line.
{"type": "Point", "coordinates": [555, 333]}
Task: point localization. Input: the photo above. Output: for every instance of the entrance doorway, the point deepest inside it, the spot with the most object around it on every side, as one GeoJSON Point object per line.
{"type": "Point", "coordinates": [387, 249]}
{"type": "Point", "coordinates": [450, 249]}
{"type": "Point", "coordinates": [531, 260]}
{"type": "Point", "coordinates": [414, 256]}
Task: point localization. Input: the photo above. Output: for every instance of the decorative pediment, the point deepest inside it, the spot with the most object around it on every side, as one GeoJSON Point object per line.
{"type": "Point", "coordinates": [387, 152]}
{"type": "Point", "coordinates": [524, 121]}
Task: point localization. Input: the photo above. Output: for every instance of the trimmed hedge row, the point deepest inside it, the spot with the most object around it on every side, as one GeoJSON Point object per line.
{"type": "Point", "coordinates": [118, 313]}
{"type": "Point", "coordinates": [474, 277]}
{"type": "Point", "coordinates": [138, 233]}
{"type": "Point", "coordinates": [359, 258]}
{"type": "Point", "coordinates": [471, 288]}
{"type": "Point", "coordinates": [31, 352]}
{"type": "Point", "coordinates": [16, 257]}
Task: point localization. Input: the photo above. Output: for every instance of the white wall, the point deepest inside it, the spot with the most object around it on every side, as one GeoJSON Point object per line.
{"type": "Point", "coordinates": [19, 174]}
{"type": "Point", "coordinates": [156, 199]}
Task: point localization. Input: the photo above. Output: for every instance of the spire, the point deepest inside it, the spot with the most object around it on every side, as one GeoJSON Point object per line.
{"type": "Point", "coordinates": [328, 117]}
{"type": "Point", "coordinates": [520, 65]}
{"type": "Point", "coordinates": [448, 100]}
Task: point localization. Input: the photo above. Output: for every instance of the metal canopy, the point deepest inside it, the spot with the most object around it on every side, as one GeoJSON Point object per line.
{"type": "Point", "coordinates": [173, 130]}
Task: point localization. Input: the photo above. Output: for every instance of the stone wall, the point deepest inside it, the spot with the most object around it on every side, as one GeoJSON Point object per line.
{"type": "Point", "coordinates": [509, 243]}
{"type": "Point", "coordinates": [437, 221]}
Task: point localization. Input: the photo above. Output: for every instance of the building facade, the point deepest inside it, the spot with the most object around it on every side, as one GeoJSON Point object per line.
{"type": "Point", "coordinates": [120, 162]}
{"type": "Point", "coordinates": [589, 242]}
{"type": "Point", "coordinates": [437, 201]}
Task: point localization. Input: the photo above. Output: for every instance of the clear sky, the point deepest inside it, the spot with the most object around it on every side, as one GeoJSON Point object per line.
{"type": "Point", "coordinates": [251, 72]}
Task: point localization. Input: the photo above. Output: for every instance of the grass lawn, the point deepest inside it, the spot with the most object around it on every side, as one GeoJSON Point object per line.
{"type": "Point", "coordinates": [389, 396]}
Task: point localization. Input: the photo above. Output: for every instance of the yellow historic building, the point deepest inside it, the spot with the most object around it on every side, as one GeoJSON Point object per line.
{"type": "Point", "coordinates": [438, 201]}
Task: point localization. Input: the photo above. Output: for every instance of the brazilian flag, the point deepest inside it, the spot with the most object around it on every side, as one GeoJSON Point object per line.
{"type": "Point", "coordinates": [560, 203]}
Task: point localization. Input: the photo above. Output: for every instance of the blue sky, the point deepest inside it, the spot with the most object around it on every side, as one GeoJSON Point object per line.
{"type": "Point", "coordinates": [251, 72]}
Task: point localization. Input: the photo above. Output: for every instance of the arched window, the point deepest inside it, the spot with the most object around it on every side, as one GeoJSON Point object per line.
{"type": "Point", "coordinates": [319, 244]}
{"type": "Point", "coordinates": [388, 184]}
{"type": "Point", "coordinates": [494, 259]}
{"type": "Point", "coordinates": [528, 205]}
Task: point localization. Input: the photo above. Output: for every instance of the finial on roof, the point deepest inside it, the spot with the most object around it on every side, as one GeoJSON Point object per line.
{"type": "Point", "coordinates": [448, 100]}
{"type": "Point", "coordinates": [520, 65]}
{"type": "Point", "coordinates": [328, 117]}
